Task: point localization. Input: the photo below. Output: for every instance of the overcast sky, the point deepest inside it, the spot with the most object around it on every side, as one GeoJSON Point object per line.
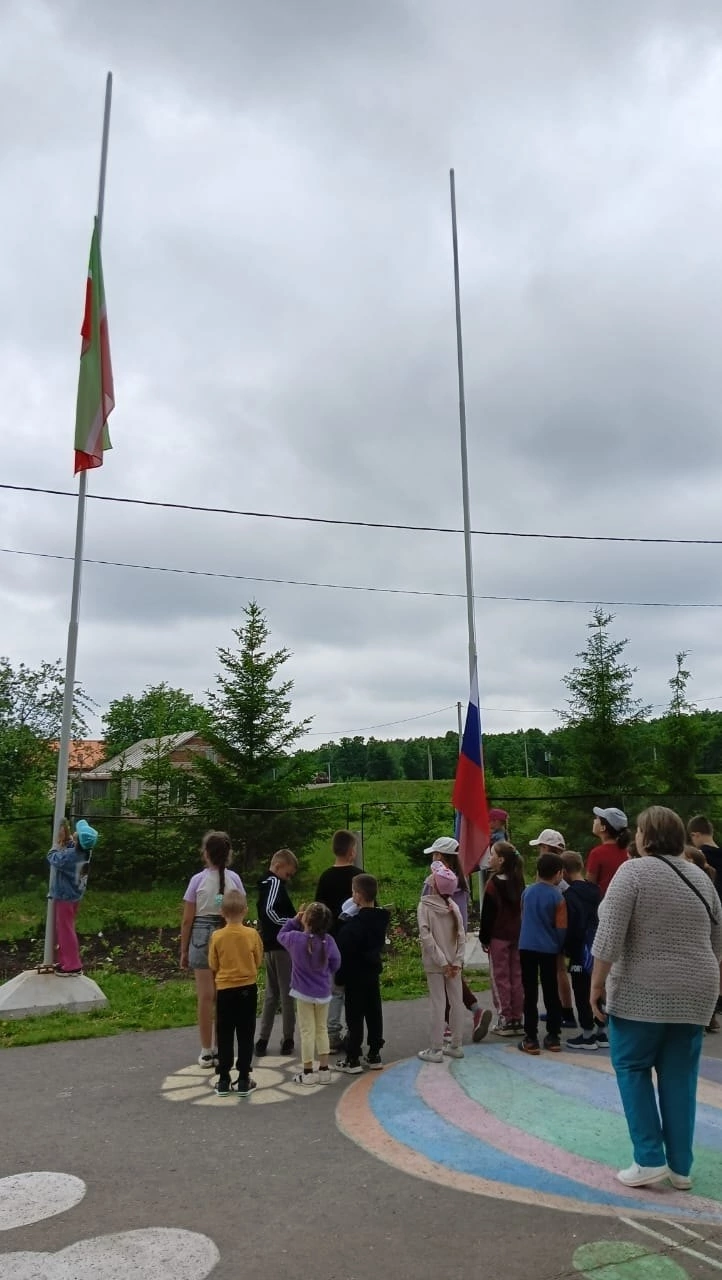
{"type": "Point", "coordinates": [277, 257]}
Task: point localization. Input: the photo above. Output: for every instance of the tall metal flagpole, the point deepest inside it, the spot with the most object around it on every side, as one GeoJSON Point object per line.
{"type": "Point", "coordinates": [462, 433]}
{"type": "Point", "coordinates": [61, 786]}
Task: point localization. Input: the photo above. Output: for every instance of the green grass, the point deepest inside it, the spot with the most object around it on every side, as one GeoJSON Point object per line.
{"type": "Point", "coordinates": [142, 1004]}
{"type": "Point", "coordinates": [135, 1004]}
{"type": "Point", "coordinates": [22, 915]}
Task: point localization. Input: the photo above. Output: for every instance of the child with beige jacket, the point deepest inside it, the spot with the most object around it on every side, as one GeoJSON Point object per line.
{"type": "Point", "coordinates": [442, 937]}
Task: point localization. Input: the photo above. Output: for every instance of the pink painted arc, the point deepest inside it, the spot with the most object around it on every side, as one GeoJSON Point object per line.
{"type": "Point", "coordinates": [440, 1091]}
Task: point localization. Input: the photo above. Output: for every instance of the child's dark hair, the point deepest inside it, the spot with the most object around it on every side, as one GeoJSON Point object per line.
{"type": "Point", "coordinates": [548, 865]}
{"type": "Point", "coordinates": [512, 867]}
{"type": "Point", "coordinates": [317, 920]}
{"type": "Point", "coordinates": [622, 838]}
{"type": "Point", "coordinates": [451, 860]}
{"type": "Point", "coordinates": [367, 886]}
{"type": "Point", "coordinates": [217, 848]}
{"type": "Point", "coordinates": [692, 854]}
{"type": "Point", "coordinates": [572, 861]}
{"type": "Point", "coordinates": [700, 826]}
{"type": "Point", "coordinates": [342, 843]}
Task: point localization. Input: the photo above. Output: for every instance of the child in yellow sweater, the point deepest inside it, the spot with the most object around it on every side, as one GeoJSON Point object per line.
{"type": "Point", "coordinates": [235, 954]}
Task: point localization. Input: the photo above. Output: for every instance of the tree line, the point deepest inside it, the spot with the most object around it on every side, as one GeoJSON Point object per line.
{"type": "Point", "coordinates": [254, 781]}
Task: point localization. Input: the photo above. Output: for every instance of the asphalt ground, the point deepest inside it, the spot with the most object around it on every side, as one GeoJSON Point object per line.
{"type": "Point", "coordinates": [275, 1187]}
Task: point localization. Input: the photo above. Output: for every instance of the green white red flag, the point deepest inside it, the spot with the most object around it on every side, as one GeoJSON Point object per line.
{"type": "Point", "coordinates": [96, 397]}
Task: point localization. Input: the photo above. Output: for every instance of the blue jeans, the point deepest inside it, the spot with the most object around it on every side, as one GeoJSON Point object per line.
{"type": "Point", "coordinates": [335, 1014]}
{"type": "Point", "coordinates": [673, 1049]}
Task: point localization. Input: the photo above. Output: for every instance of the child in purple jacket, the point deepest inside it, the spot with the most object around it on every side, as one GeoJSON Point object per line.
{"type": "Point", "coordinates": [315, 959]}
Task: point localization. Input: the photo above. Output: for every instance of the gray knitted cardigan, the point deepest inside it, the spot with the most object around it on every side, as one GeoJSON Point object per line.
{"type": "Point", "coordinates": [662, 945]}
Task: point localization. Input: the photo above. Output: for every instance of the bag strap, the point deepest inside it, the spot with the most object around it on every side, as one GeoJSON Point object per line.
{"type": "Point", "coordinates": [673, 867]}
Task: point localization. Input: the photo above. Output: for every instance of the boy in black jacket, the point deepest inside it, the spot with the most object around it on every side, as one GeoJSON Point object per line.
{"type": "Point", "coordinates": [361, 941]}
{"type": "Point", "coordinates": [582, 899]}
{"type": "Point", "coordinates": [274, 909]}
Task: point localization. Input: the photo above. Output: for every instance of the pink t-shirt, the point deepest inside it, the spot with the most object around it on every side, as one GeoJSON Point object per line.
{"type": "Point", "coordinates": [204, 890]}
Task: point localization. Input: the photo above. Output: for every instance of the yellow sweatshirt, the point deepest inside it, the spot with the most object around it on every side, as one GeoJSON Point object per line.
{"type": "Point", "coordinates": [234, 955]}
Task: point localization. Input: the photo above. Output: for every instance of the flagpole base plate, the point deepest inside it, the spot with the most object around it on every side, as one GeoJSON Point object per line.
{"type": "Point", "coordinates": [32, 993]}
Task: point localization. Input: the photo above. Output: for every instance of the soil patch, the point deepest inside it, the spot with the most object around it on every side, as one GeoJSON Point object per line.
{"type": "Point", "coordinates": [149, 953]}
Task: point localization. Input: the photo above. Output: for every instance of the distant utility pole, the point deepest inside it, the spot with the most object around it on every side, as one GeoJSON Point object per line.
{"type": "Point", "coordinates": [431, 763]}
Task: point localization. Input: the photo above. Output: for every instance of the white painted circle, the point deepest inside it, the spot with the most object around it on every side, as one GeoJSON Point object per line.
{"type": "Point", "coordinates": [32, 1197]}
{"type": "Point", "coordinates": [145, 1255]}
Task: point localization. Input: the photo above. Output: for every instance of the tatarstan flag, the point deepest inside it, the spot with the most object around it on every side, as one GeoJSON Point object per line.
{"type": "Point", "coordinates": [96, 397]}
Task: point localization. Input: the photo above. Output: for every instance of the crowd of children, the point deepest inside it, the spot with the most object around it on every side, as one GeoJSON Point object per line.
{"type": "Point", "coordinates": [323, 962]}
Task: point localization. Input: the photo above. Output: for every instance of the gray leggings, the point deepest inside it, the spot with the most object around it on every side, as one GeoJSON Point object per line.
{"type": "Point", "coordinates": [278, 982]}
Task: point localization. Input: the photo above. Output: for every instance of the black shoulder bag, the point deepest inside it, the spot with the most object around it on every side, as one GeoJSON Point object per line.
{"type": "Point", "coordinates": [673, 867]}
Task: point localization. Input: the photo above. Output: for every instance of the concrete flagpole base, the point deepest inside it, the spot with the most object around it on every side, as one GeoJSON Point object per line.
{"type": "Point", "coordinates": [31, 994]}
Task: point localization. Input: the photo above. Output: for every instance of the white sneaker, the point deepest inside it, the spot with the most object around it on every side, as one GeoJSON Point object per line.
{"type": "Point", "coordinates": [453, 1051]}
{"type": "Point", "coordinates": [430, 1055]}
{"type": "Point", "coordinates": [326, 1077]}
{"type": "Point", "coordinates": [641, 1175]}
{"type": "Point", "coordinates": [306, 1077]}
{"type": "Point", "coordinates": [207, 1058]}
{"type": "Point", "coordinates": [680, 1181]}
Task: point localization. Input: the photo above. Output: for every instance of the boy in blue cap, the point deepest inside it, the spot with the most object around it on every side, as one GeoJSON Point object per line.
{"type": "Point", "coordinates": [68, 883]}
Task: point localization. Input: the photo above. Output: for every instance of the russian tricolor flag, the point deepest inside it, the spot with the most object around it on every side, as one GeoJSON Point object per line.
{"type": "Point", "coordinates": [469, 796]}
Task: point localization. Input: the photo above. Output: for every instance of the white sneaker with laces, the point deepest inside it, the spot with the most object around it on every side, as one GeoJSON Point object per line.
{"type": "Point", "coordinates": [207, 1058]}
{"type": "Point", "coordinates": [306, 1077]}
{"type": "Point", "coordinates": [453, 1051]}
{"type": "Point", "coordinates": [680, 1181]}
{"type": "Point", "coordinates": [640, 1175]}
{"type": "Point", "coordinates": [326, 1077]}
{"type": "Point", "coordinates": [430, 1055]}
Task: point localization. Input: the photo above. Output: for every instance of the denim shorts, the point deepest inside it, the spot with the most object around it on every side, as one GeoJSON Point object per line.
{"type": "Point", "coordinates": [203, 927]}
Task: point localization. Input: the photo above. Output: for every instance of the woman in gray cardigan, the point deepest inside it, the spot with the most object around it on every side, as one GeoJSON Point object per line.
{"type": "Point", "coordinates": [656, 975]}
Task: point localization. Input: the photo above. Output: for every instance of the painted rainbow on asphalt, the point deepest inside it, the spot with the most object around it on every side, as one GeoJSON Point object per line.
{"type": "Point", "coordinates": [544, 1131]}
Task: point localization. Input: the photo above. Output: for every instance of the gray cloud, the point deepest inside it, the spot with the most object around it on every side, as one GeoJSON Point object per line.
{"type": "Point", "coordinates": [277, 260]}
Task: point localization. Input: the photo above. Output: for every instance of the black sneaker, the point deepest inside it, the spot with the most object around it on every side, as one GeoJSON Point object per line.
{"type": "Point", "coordinates": [553, 1044]}
{"type": "Point", "coordinates": [223, 1087]}
{"type": "Point", "coordinates": [583, 1042]}
{"type": "Point", "coordinates": [245, 1086]}
{"type": "Point", "coordinates": [602, 1039]}
{"type": "Point", "coordinates": [373, 1061]}
{"type": "Point", "coordinates": [349, 1066]}
{"type": "Point", "coordinates": [261, 1048]}
{"type": "Point", "coordinates": [287, 1048]}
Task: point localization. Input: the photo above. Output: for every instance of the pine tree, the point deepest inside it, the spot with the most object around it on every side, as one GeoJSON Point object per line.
{"type": "Point", "coordinates": [247, 783]}
{"type": "Point", "coordinates": [681, 738]}
{"type": "Point", "coordinates": [601, 715]}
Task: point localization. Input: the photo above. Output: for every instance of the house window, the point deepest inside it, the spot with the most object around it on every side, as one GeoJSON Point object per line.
{"type": "Point", "coordinates": [178, 792]}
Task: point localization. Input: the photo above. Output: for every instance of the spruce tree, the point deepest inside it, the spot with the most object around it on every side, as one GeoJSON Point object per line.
{"type": "Point", "coordinates": [601, 715]}
{"type": "Point", "coordinates": [247, 783]}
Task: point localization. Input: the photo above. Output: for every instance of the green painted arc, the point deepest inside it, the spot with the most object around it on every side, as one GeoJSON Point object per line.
{"type": "Point", "coordinates": [569, 1124]}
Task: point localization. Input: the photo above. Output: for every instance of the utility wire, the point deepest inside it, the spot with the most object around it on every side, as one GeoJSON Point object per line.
{"type": "Point", "coordinates": [366, 524]}
{"type": "Point", "coordinates": [392, 591]}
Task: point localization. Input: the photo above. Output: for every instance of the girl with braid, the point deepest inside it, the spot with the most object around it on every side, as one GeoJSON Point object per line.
{"type": "Point", "coordinates": [315, 959]}
{"type": "Point", "coordinates": [202, 902]}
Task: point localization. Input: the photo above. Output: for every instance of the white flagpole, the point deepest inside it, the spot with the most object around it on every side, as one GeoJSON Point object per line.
{"type": "Point", "coordinates": [462, 433]}
{"type": "Point", "coordinates": [61, 786]}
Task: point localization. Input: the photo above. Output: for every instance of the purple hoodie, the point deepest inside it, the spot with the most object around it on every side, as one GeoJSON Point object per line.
{"type": "Point", "coordinates": [311, 975]}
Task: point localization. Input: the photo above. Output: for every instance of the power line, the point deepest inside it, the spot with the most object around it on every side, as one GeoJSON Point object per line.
{"type": "Point", "coordinates": [366, 524]}
{"type": "Point", "coordinates": [346, 586]}
{"type": "Point", "coordinates": [388, 724]}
